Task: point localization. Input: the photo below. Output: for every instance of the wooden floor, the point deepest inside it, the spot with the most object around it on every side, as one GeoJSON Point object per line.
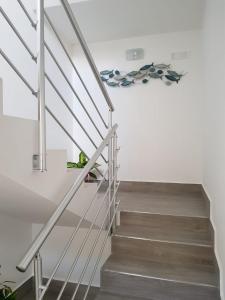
{"type": "Point", "coordinates": [163, 248]}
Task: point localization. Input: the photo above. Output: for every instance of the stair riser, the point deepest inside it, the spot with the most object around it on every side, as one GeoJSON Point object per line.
{"type": "Point", "coordinates": [162, 251]}
{"type": "Point", "coordinates": [146, 187]}
{"type": "Point", "coordinates": [161, 222]}
{"type": "Point", "coordinates": [154, 289]}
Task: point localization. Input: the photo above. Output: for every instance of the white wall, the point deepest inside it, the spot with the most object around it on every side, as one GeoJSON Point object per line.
{"type": "Point", "coordinates": [160, 127]}
{"type": "Point", "coordinates": [214, 141]}
{"type": "Point", "coordinates": [15, 238]}
{"type": "Point", "coordinates": [18, 100]}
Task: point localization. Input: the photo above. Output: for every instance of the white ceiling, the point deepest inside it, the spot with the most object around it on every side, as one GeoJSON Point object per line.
{"type": "Point", "coordinates": [103, 20]}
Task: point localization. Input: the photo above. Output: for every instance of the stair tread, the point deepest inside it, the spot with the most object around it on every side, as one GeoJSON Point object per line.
{"type": "Point", "coordinates": [109, 296]}
{"type": "Point", "coordinates": [178, 204]}
{"type": "Point", "coordinates": [197, 275]}
{"type": "Point", "coordinates": [178, 236]}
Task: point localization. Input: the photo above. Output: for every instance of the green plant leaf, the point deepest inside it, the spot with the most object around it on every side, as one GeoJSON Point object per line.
{"type": "Point", "coordinates": [93, 175]}
{"type": "Point", "coordinates": [80, 165]}
{"type": "Point", "coordinates": [6, 292]}
{"type": "Point", "coordinates": [83, 158]}
{"type": "Point", "coordinates": [71, 165]}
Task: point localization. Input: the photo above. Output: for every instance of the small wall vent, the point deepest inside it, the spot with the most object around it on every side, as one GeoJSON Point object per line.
{"type": "Point", "coordinates": [135, 54]}
{"type": "Point", "coordinates": [180, 55]}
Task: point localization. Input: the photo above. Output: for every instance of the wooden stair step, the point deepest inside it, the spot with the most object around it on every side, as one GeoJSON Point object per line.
{"type": "Point", "coordinates": [159, 281]}
{"type": "Point", "coordinates": [175, 204]}
{"type": "Point", "coordinates": [177, 235]}
{"type": "Point", "coordinates": [157, 222]}
{"type": "Point", "coordinates": [202, 275]}
{"type": "Point", "coordinates": [163, 251]}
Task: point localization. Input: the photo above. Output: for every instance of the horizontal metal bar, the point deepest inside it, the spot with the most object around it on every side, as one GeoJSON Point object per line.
{"type": "Point", "coordinates": [74, 67]}
{"type": "Point", "coordinates": [71, 240]}
{"type": "Point", "coordinates": [72, 113]}
{"type": "Point", "coordinates": [102, 249]}
{"type": "Point", "coordinates": [86, 51]}
{"type": "Point", "coordinates": [69, 135]}
{"type": "Point", "coordinates": [72, 88]}
{"type": "Point", "coordinates": [33, 24]}
{"type": "Point", "coordinates": [80, 250]}
{"type": "Point", "coordinates": [93, 247]}
{"type": "Point", "coordinates": [42, 236]}
{"type": "Point", "coordinates": [18, 34]}
{"type": "Point", "coordinates": [17, 72]}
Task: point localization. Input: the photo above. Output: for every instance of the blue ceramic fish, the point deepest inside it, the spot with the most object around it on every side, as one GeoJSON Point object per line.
{"type": "Point", "coordinates": [162, 66]}
{"type": "Point", "coordinates": [174, 74]}
{"type": "Point", "coordinates": [146, 67]}
{"type": "Point", "coordinates": [120, 78]}
{"type": "Point", "coordinates": [114, 77]}
{"type": "Point", "coordinates": [152, 70]}
{"type": "Point", "coordinates": [104, 79]}
{"type": "Point", "coordinates": [172, 78]}
{"type": "Point", "coordinates": [106, 72]}
{"type": "Point", "coordinates": [127, 83]}
{"type": "Point", "coordinates": [112, 83]}
{"type": "Point", "coordinates": [139, 75]}
{"type": "Point", "coordinates": [133, 73]}
{"type": "Point", "coordinates": [155, 75]}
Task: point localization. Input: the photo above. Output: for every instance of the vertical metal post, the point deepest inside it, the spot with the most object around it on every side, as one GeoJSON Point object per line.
{"type": "Point", "coordinates": [110, 164]}
{"type": "Point", "coordinates": [38, 276]}
{"type": "Point", "coordinates": [41, 163]}
{"type": "Point", "coordinates": [114, 176]}
{"type": "Point", "coordinates": [115, 170]}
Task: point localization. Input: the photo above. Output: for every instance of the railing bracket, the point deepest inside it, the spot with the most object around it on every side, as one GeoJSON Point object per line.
{"type": "Point", "coordinates": [36, 163]}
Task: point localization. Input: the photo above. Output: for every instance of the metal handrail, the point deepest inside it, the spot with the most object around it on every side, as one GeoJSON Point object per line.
{"type": "Point", "coordinates": [81, 247]}
{"type": "Point", "coordinates": [33, 252]}
{"type": "Point", "coordinates": [46, 107]}
{"type": "Point", "coordinates": [74, 67]}
{"type": "Point", "coordinates": [45, 232]}
{"type": "Point", "coordinates": [17, 34]}
{"type": "Point", "coordinates": [86, 51]}
{"type": "Point", "coordinates": [72, 236]}
{"type": "Point", "coordinates": [72, 113]}
{"type": "Point", "coordinates": [103, 244]}
{"type": "Point", "coordinates": [72, 88]}
{"type": "Point", "coordinates": [10, 63]}
{"type": "Point", "coordinates": [69, 135]}
{"type": "Point", "coordinates": [33, 24]}
{"type": "Point", "coordinates": [92, 249]}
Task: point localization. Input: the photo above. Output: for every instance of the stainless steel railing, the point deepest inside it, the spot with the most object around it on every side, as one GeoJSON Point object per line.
{"type": "Point", "coordinates": [63, 205]}
{"type": "Point", "coordinates": [39, 59]}
{"type": "Point", "coordinates": [109, 175]}
{"type": "Point", "coordinates": [33, 253]}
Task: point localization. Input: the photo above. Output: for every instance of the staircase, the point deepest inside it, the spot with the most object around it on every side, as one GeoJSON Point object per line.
{"type": "Point", "coordinates": [162, 240]}
{"type": "Point", "coordinates": [163, 248]}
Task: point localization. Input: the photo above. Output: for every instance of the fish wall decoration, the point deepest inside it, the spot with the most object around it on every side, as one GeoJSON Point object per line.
{"type": "Point", "coordinates": [116, 78]}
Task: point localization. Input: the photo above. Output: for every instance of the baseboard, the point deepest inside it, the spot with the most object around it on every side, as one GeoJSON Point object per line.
{"type": "Point", "coordinates": [213, 232]}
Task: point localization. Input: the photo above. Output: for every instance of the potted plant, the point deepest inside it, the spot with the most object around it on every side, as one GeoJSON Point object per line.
{"type": "Point", "coordinates": [6, 292]}
{"type": "Point", "coordinates": [83, 160]}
